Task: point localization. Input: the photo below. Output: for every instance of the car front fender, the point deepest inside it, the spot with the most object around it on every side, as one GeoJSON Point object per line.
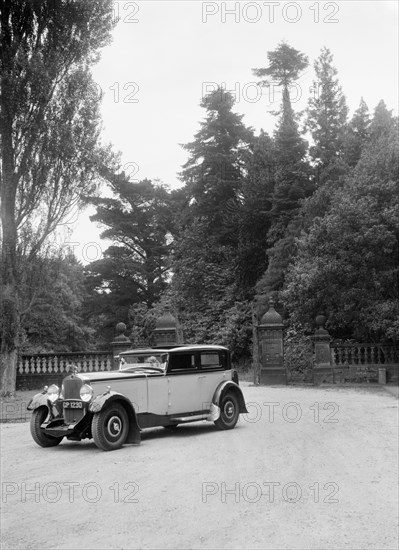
{"type": "Point", "coordinates": [37, 401]}
{"type": "Point", "coordinates": [108, 397]}
{"type": "Point", "coordinates": [41, 400]}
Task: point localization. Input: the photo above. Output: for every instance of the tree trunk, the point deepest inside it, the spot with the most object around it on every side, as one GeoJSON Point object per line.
{"type": "Point", "coordinates": [8, 297]}
{"type": "Point", "coordinates": [8, 284]}
{"type": "Point", "coordinates": [8, 364]}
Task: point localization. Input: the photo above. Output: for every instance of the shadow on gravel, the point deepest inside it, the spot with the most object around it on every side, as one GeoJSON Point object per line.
{"type": "Point", "coordinates": [183, 431]}
{"type": "Point", "coordinates": [191, 430]}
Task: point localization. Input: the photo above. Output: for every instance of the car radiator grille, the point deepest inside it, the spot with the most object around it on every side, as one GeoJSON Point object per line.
{"type": "Point", "coordinates": [72, 391]}
{"type": "Point", "coordinates": [72, 388]}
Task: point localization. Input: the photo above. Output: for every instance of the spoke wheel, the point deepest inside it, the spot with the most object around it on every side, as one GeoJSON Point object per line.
{"type": "Point", "coordinates": [110, 427]}
{"type": "Point", "coordinates": [38, 417]}
{"type": "Point", "coordinates": [229, 411]}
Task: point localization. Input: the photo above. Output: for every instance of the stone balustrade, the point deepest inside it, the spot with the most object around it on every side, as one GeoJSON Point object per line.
{"type": "Point", "coordinates": [364, 354]}
{"type": "Point", "coordinates": [60, 363]}
{"type": "Point", "coordinates": [39, 369]}
{"type": "Point", "coordinates": [362, 362]}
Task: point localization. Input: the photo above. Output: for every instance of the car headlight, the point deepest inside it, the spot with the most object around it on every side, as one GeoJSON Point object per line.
{"type": "Point", "coordinates": [86, 392]}
{"type": "Point", "coordinates": [53, 392]}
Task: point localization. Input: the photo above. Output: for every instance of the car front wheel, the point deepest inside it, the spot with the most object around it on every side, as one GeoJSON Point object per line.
{"type": "Point", "coordinates": [36, 420]}
{"type": "Point", "coordinates": [229, 411]}
{"type": "Point", "coordinates": [110, 427]}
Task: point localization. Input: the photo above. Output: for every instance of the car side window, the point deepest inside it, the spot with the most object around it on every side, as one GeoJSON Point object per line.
{"type": "Point", "coordinates": [212, 360]}
{"type": "Point", "coordinates": [181, 362]}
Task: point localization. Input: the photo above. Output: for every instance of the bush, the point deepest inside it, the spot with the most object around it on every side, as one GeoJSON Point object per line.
{"type": "Point", "coordinates": [298, 355]}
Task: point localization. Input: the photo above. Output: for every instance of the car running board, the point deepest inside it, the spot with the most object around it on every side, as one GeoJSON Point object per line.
{"type": "Point", "coordinates": [190, 418]}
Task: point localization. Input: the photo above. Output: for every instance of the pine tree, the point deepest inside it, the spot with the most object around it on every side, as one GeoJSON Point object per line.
{"type": "Point", "coordinates": [326, 120]}
{"type": "Point", "coordinates": [134, 269]}
{"type": "Point", "coordinates": [285, 66]}
{"type": "Point", "coordinates": [255, 213]}
{"type": "Point", "coordinates": [382, 122]}
{"type": "Point", "coordinates": [214, 171]}
{"type": "Point", "coordinates": [203, 287]}
{"type": "Point", "coordinates": [291, 179]}
{"type": "Point", "coordinates": [357, 135]}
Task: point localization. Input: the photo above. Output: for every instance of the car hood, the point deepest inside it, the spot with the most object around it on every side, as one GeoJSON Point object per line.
{"type": "Point", "coordinates": [114, 375]}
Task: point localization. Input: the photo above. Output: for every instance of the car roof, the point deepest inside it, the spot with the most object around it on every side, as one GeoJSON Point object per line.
{"type": "Point", "coordinates": [144, 351]}
{"type": "Point", "coordinates": [185, 347]}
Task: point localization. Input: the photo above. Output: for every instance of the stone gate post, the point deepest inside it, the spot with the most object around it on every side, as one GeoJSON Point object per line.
{"type": "Point", "coordinates": [270, 346]}
{"type": "Point", "coordinates": [322, 369]}
{"type": "Point", "coordinates": [167, 332]}
{"type": "Point", "coordinates": [120, 343]}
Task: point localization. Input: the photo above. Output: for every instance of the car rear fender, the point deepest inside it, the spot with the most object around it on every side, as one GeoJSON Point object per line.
{"type": "Point", "coordinates": [229, 386]}
{"type": "Point", "coordinates": [105, 399]}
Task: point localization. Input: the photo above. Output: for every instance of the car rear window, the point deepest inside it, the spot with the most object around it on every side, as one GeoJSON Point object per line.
{"type": "Point", "coordinates": [212, 360]}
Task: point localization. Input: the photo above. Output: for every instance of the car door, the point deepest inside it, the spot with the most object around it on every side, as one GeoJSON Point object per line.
{"type": "Point", "coordinates": [184, 391]}
{"type": "Point", "coordinates": [157, 394]}
{"type": "Point", "coordinates": [212, 371]}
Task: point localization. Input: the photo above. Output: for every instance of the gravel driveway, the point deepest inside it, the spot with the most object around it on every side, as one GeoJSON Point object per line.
{"type": "Point", "coordinates": [307, 468]}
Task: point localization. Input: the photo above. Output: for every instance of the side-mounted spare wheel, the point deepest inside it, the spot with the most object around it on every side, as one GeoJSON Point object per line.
{"type": "Point", "coordinates": [229, 411]}
{"type": "Point", "coordinates": [110, 427]}
{"type": "Point", "coordinates": [38, 417]}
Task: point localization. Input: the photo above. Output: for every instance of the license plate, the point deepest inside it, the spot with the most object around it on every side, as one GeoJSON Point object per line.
{"type": "Point", "coordinates": [73, 405]}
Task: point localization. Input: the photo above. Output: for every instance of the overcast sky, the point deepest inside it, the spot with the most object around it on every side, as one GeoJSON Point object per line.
{"type": "Point", "coordinates": [165, 55]}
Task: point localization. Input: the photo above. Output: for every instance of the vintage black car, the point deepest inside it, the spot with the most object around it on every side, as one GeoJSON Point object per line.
{"type": "Point", "coordinates": [153, 387]}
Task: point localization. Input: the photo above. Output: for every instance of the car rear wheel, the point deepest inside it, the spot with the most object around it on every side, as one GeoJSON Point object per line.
{"type": "Point", "coordinates": [229, 411]}
{"type": "Point", "coordinates": [110, 427]}
{"type": "Point", "coordinates": [38, 417]}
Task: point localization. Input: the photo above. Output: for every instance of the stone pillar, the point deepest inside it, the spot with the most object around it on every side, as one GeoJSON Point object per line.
{"type": "Point", "coordinates": [271, 352]}
{"type": "Point", "coordinates": [322, 368]}
{"type": "Point", "coordinates": [120, 343]}
{"type": "Point", "coordinates": [255, 346]}
{"type": "Point", "coordinates": [166, 333]}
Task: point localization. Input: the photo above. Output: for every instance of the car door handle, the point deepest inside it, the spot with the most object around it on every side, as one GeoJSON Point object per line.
{"type": "Point", "coordinates": [200, 377]}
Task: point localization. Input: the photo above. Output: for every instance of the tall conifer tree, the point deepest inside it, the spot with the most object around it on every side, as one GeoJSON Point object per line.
{"type": "Point", "coordinates": [214, 171]}
{"type": "Point", "coordinates": [357, 135]}
{"type": "Point", "coordinates": [290, 170]}
{"type": "Point", "coordinates": [326, 120]}
{"type": "Point", "coordinates": [203, 287]}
